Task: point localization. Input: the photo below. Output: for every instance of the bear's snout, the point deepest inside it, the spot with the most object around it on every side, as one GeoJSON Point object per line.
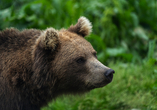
{"type": "Point", "coordinates": [109, 74]}
{"type": "Point", "coordinates": [99, 74]}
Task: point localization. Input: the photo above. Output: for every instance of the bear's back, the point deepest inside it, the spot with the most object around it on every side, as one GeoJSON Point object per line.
{"type": "Point", "coordinates": [12, 39]}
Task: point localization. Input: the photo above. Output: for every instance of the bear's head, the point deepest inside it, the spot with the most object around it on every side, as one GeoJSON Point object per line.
{"type": "Point", "coordinates": [67, 63]}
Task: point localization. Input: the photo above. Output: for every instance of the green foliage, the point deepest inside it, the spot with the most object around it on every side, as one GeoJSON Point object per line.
{"type": "Point", "coordinates": [124, 28]}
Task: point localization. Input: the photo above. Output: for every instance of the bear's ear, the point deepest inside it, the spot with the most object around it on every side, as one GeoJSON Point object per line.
{"type": "Point", "coordinates": [83, 27]}
{"type": "Point", "coordinates": [48, 39]}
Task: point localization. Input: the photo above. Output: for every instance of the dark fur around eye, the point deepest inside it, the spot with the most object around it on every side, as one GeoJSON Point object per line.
{"type": "Point", "coordinates": [80, 60]}
{"type": "Point", "coordinates": [95, 55]}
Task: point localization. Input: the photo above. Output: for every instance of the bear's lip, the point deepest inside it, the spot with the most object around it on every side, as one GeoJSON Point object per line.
{"type": "Point", "coordinates": [96, 86]}
{"type": "Point", "coordinates": [101, 84]}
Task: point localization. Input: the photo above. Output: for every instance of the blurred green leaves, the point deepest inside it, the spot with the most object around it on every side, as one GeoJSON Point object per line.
{"type": "Point", "coordinates": [123, 30]}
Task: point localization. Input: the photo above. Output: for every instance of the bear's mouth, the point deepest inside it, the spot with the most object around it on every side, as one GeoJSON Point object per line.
{"type": "Point", "coordinates": [99, 85]}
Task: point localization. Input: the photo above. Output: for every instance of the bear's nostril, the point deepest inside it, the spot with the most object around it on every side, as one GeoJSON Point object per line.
{"type": "Point", "coordinates": [109, 74]}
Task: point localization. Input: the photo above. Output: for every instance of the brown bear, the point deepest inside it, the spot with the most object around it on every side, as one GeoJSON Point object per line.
{"type": "Point", "coordinates": [36, 66]}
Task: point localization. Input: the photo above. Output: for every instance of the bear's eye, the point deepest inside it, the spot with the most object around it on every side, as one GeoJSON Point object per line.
{"type": "Point", "coordinates": [80, 60]}
{"type": "Point", "coordinates": [95, 55]}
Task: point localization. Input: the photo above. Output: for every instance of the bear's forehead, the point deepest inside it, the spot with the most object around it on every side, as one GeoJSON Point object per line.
{"type": "Point", "coordinates": [74, 41]}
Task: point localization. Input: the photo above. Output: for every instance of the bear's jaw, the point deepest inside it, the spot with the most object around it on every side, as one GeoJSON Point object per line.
{"type": "Point", "coordinates": [97, 85]}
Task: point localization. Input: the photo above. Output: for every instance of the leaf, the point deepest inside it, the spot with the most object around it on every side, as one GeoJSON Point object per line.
{"type": "Point", "coordinates": [139, 31]}
{"type": "Point", "coordinates": [115, 51]}
{"type": "Point", "coordinates": [6, 13]}
{"type": "Point", "coordinates": [151, 49]}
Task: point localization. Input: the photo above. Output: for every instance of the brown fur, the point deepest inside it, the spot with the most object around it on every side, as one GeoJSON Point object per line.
{"type": "Point", "coordinates": [37, 66]}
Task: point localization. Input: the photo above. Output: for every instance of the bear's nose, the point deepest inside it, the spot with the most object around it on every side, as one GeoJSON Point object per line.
{"type": "Point", "coordinates": [109, 74]}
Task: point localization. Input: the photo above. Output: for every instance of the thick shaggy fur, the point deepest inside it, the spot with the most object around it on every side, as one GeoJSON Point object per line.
{"type": "Point", "coordinates": [26, 76]}
{"type": "Point", "coordinates": [37, 66]}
